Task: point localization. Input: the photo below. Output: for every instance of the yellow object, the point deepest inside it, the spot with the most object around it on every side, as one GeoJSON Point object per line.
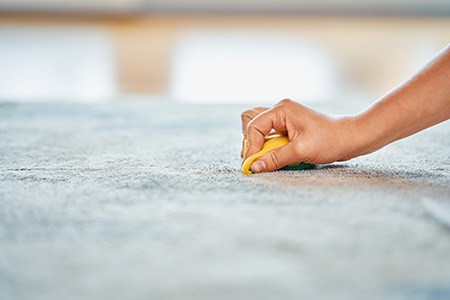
{"type": "Point", "coordinates": [272, 142]}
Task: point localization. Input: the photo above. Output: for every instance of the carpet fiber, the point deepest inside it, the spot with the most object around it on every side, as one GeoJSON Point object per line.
{"type": "Point", "coordinates": [145, 200]}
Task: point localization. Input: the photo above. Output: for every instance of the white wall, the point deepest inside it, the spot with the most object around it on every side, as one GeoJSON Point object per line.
{"type": "Point", "coordinates": [50, 63]}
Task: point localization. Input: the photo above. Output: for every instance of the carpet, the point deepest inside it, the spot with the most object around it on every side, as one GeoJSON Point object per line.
{"type": "Point", "coordinates": [145, 200]}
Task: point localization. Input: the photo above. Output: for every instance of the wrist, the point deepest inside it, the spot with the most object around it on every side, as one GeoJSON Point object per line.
{"type": "Point", "coordinates": [359, 136]}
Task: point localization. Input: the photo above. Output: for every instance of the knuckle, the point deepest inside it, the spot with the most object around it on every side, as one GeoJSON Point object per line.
{"type": "Point", "coordinates": [250, 126]}
{"type": "Point", "coordinates": [285, 101]}
{"type": "Point", "coordinates": [253, 129]}
{"type": "Point", "coordinates": [245, 115]}
{"type": "Point", "coordinates": [274, 159]}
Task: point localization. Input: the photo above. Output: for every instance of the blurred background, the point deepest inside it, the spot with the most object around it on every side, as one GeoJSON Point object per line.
{"type": "Point", "coordinates": [214, 51]}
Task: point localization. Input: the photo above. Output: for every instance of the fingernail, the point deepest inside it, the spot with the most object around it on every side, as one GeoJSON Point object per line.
{"type": "Point", "coordinates": [245, 147]}
{"type": "Point", "coordinates": [258, 166]}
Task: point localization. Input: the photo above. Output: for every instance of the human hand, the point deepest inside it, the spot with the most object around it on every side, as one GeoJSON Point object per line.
{"type": "Point", "coordinates": [418, 103]}
{"type": "Point", "coordinates": [246, 117]}
{"type": "Point", "coordinates": [313, 137]}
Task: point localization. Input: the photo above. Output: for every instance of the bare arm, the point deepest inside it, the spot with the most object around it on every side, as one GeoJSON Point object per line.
{"type": "Point", "coordinates": [420, 102]}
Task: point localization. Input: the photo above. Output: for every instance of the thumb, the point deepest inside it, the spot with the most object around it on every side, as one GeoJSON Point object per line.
{"type": "Point", "coordinates": [276, 159]}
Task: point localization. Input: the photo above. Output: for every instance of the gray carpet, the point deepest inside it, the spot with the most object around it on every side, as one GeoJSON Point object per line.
{"type": "Point", "coordinates": [145, 200]}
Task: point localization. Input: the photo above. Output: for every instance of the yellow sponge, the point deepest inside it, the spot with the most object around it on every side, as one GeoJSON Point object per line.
{"type": "Point", "coordinates": [272, 142]}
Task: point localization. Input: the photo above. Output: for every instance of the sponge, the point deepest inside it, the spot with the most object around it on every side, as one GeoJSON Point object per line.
{"type": "Point", "coordinates": [272, 142]}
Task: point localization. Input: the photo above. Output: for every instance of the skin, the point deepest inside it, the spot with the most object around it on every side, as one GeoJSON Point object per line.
{"type": "Point", "coordinates": [420, 102]}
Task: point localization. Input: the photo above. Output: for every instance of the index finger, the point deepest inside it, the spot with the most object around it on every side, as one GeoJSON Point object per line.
{"type": "Point", "coordinates": [260, 127]}
{"type": "Point", "coordinates": [249, 115]}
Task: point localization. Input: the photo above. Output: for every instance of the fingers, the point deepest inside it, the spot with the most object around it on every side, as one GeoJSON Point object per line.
{"type": "Point", "coordinates": [248, 115]}
{"type": "Point", "coordinates": [259, 122]}
{"type": "Point", "coordinates": [244, 147]}
{"type": "Point", "coordinates": [246, 118]}
{"type": "Point", "coordinates": [262, 125]}
{"type": "Point", "coordinates": [276, 159]}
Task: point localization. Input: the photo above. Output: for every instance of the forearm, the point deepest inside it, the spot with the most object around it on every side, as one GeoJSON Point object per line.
{"type": "Point", "coordinates": [420, 102]}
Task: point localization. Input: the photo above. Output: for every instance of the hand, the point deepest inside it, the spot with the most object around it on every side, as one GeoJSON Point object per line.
{"type": "Point", "coordinates": [246, 117]}
{"type": "Point", "coordinates": [420, 102]}
{"type": "Point", "coordinates": [314, 137]}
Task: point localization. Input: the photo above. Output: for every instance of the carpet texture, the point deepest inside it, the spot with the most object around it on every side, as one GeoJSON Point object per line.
{"type": "Point", "coordinates": [145, 200]}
